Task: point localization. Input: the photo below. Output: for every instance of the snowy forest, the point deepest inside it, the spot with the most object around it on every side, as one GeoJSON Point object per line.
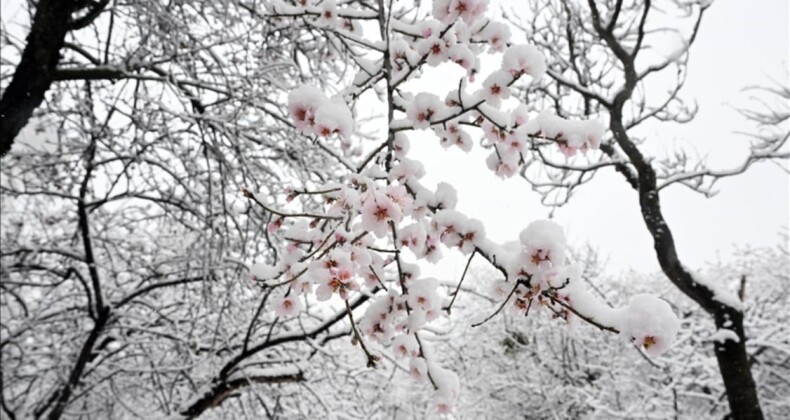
{"type": "Point", "coordinates": [382, 209]}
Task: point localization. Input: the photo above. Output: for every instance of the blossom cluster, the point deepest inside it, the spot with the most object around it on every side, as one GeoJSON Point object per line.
{"type": "Point", "coordinates": [357, 243]}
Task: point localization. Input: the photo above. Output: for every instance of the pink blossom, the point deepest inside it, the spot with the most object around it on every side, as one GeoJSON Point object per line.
{"type": "Point", "coordinates": [287, 306]}
{"type": "Point", "coordinates": [405, 346]}
{"type": "Point", "coordinates": [328, 10]}
{"type": "Point", "coordinates": [435, 49]}
{"type": "Point", "coordinates": [493, 134]}
{"type": "Point", "coordinates": [495, 87]}
{"type": "Point", "coordinates": [340, 281]}
{"type": "Point", "coordinates": [469, 10]}
{"type": "Point", "coordinates": [274, 225]}
{"type": "Point", "coordinates": [413, 236]}
{"type": "Point", "coordinates": [505, 164]}
{"type": "Point", "coordinates": [462, 55]}
{"type": "Point", "coordinates": [377, 212]}
{"type": "Point", "coordinates": [423, 109]}
{"type": "Point", "coordinates": [302, 105]}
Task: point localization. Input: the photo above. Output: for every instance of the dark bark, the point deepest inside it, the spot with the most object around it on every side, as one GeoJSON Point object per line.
{"type": "Point", "coordinates": [734, 367]}
{"type": "Point", "coordinates": [64, 394]}
{"type": "Point", "coordinates": [222, 384]}
{"type": "Point", "coordinates": [222, 390]}
{"type": "Point", "coordinates": [33, 75]}
{"type": "Point", "coordinates": [732, 357]}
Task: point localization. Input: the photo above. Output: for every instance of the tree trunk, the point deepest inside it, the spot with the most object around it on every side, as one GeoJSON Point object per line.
{"type": "Point", "coordinates": [34, 74]}
{"type": "Point", "coordinates": [734, 367]}
{"type": "Point", "coordinates": [732, 357]}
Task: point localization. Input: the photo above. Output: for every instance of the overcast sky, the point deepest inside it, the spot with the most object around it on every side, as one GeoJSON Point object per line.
{"type": "Point", "coordinates": [738, 46]}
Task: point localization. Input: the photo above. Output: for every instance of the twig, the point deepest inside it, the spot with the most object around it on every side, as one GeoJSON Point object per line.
{"type": "Point", "coordinates": [463, 276]}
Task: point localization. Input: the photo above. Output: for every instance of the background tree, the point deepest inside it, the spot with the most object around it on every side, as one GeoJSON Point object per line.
{"type": "Point", "coordinates": [35, 70]}
{"type": "Point", "coordinates": [602, 58]}
{"type": "Point", "coordinates": [514, 366]}
{"type": "Point", "coordinates": [125, 233]}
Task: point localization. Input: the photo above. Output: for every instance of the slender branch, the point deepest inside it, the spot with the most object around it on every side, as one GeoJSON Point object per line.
{"type": "Point", "coordinates": [463, 276]}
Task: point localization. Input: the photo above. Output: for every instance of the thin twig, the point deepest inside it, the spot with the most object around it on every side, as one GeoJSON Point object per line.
{"type": "Point", "coordinates": [463, 276]}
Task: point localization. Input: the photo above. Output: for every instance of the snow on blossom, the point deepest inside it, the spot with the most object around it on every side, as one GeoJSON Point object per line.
{"type": "Point", "coordinates": [493, 133]}
{"type": "Point", "coordinates": [470, 10]}
{"type": "Point", "coordinates": [428, 28]}
{"type": "Point", "coordinates": [262, 271]}
{"type": "Point", "coordinates": [435, 49]}
{"type": "Point", "coordinates": [650, 322]}
{"type": "Point", "coordinates": [274, 225]}
{"type": "Point", "coordinates": [448, 11]}
{"type": "Point", "coordinates": [448, 387]}
{"type": "Point", "coordinates": [400, 145]}
{"type": "Point", "coordinates": [409, 271]}
{"type": "Point", "coordinates": [445, 197]}
{"type": "Point", "coordinates": [423, 198]}
{"type": "Point", "coordinates": [424, 295]}
{"type": "Point", "coordinates": [442, 11]}
{"type": "Point", "coordinates": [400, 196]}
{"type": "Point", "coordinates": [377, 320]}
{"type": "Point", "coordinates": [302, 231]}
{"type": "Point", "coordinates": [433, 253]}
{"type": "Point", "coordinates": [304, 4]}
{"type": "Point", "coordinates": [287, 306]}
{"type": "Point", "coordinates": [402, 55]}
{"type": "Point", "coordinates": [405, 346]}
{"type": "Point", "coordinates": [413, 236]}
{"type": "Point", "coordinates": [407, 169]}
{"type": "Point", "coordinates": [527, 59]}
{"type": "Point", "coordinates": [544, 245]}
{"type": "Point", "coordinates": [328, 10]}
{"type": "Point", "coordinates": [449, 224]}
{"type": "Point", "coordinates": [497, 35]}
{"type": "Point", "coordinates": [333, 274]}
{"type": "Point", "coordinates": [495, 87]}
{"type": "Point", "coordinates": [334, 117]}
{"type": "Point", "coordinates": [345, 200]}
{"type": "Point", "coordinates": [313, 113]}
{"type": "Point", "coordinates": [418, 369]}
{"type": "Point", "coordinates": [500, 288]}
{"type": "Point", "coordinates": [360, 255]}
{"type": "Point", "coordinates": [463, 56]}
{"type": "Point", "coordinates": [571, 135]}
{"type": "Point", "coordinates": [516, 142]}
{"type": "Point", "coordinates": [453, 135]}
{"type": "Point", "coordinates": [519, 116]}
{"type": "Point", "coordinates": [303, 102]}
{"type": "Point", "coordinates": [302, 286]}
{"type": "Point", "coordinates": [504, 162]}
{"type": "Point", "coordinates": [470, 235]}
{"type": "Point", "coordinates": [423, 109]}
{"type": "Point", "coordinates": [351, 25]}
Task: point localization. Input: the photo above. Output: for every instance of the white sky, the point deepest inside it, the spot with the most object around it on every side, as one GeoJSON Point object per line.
{"type": "Point", "coordinates": [738, 46]}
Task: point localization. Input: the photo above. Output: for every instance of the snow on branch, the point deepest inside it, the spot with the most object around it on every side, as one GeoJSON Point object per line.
{"type": "Point", "coordinates": [358, 245]}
